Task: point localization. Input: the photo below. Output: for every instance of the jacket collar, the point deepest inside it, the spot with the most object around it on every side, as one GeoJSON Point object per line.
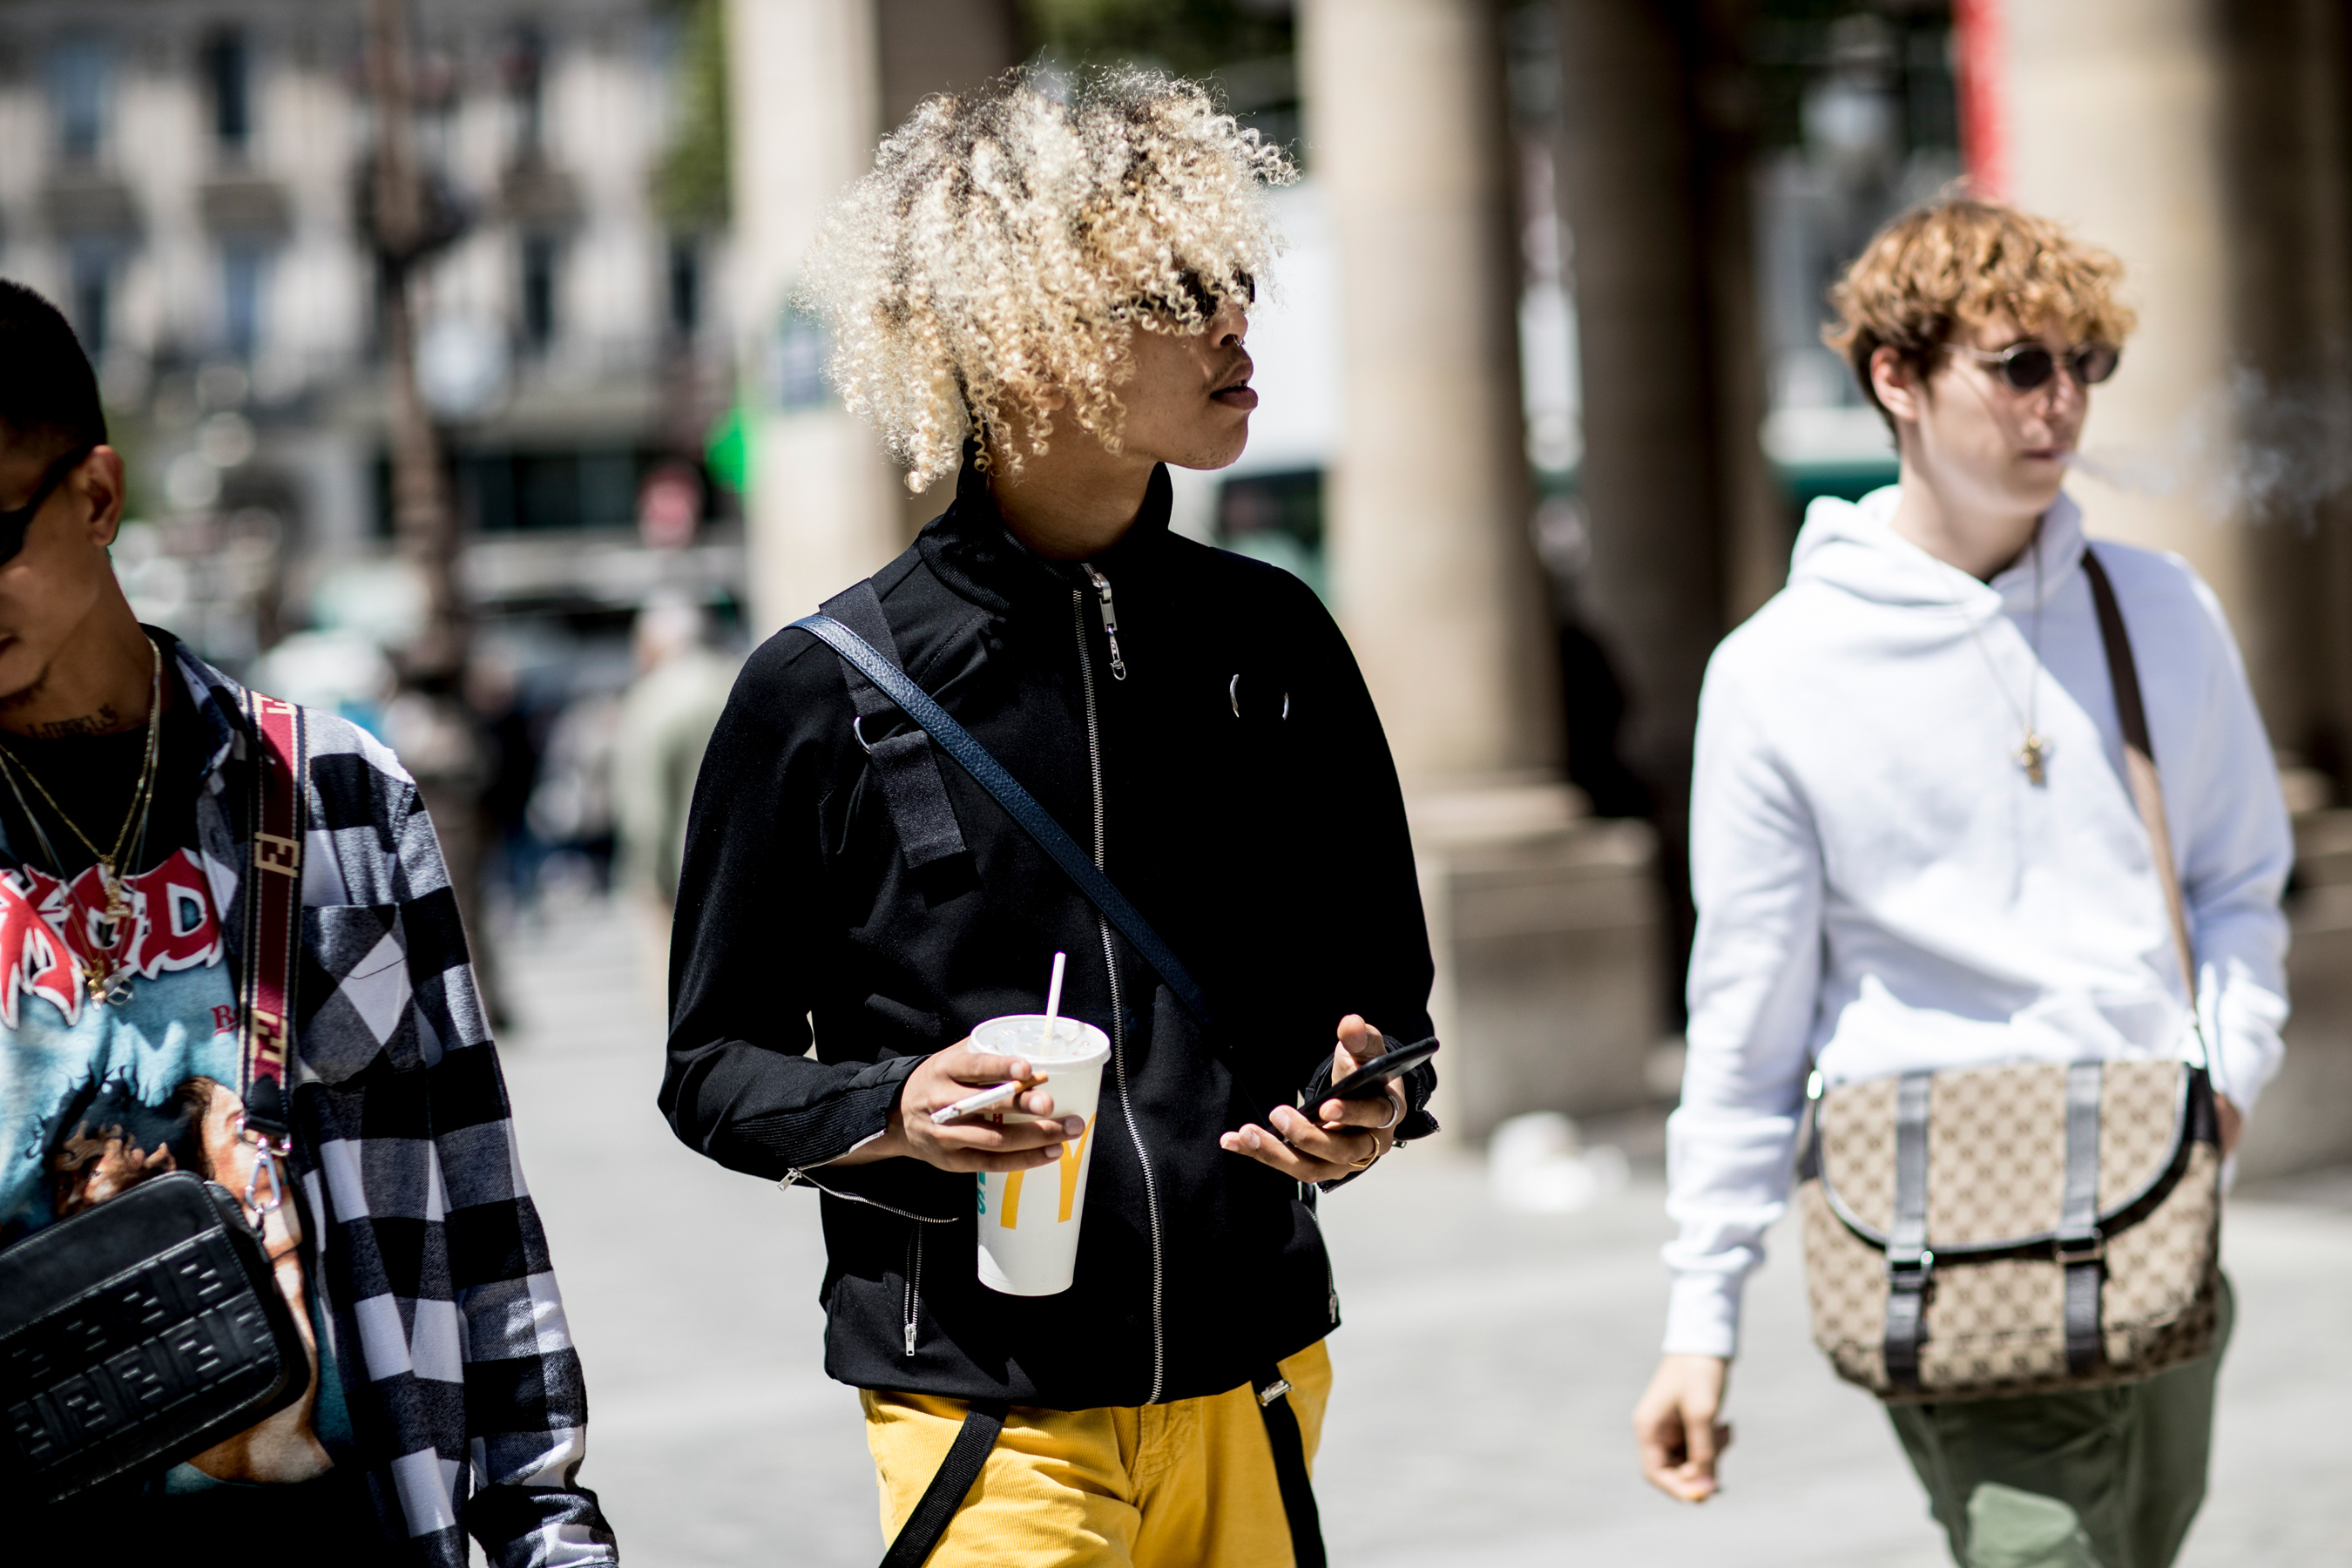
{"type": "Point", "coordinates": [219, 705]}
{"type": "Point", "coordinates": [974, 552]}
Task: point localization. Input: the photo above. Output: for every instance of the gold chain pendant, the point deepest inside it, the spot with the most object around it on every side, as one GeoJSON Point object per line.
{"type": "Point", "coordinates": [118, 907]}
{"type": "Point", "coordinates": [105, 984]}
{"type": "Point", "coordinates": [2032, 755]}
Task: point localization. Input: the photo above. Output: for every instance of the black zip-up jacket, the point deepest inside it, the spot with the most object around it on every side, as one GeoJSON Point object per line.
{"type": "Point", "coordinates": [1225, 763]}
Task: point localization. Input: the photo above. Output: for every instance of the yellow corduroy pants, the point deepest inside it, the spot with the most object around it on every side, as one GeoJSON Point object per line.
{"type": "Point", "coordinates": [1184, 1485]}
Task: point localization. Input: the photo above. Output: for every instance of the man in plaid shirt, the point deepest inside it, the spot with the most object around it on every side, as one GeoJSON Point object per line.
{"type": "Point", "coordinates": [447, 1398]}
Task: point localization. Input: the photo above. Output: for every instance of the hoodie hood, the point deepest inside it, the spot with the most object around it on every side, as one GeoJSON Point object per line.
{"type": "Point", "coordinates": [1852, 546]}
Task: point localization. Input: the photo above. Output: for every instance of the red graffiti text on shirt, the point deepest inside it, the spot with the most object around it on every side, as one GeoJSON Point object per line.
{"type": "Point", "coordinates": [52, 931]}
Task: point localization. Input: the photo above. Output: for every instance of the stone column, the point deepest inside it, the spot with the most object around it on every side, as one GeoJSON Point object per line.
{"type": "Point", "coordinates": [805, 91]}
{"type": "Point", "coordinates": [1427, 502]}
{"type": "Point", "coordinates": [1543, 923]}
{"type": "Point", "coordinates": [2114, 119]}
{"type": "Point", "coordinates": [1687, 530]}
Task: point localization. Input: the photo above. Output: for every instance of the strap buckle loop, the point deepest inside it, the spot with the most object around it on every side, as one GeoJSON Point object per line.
{"type": "Point", "coordinates": [2073, 1250]}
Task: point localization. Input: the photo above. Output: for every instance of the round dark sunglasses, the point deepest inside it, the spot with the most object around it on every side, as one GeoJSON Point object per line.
{"type": "Point", "coordinates": [2026, 366]}
{"type": "Point", "coordinates": [13, 524]}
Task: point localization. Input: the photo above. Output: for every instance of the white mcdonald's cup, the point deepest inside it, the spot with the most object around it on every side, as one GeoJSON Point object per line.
{"type": "Point", "coordinates": [1029, 1219]}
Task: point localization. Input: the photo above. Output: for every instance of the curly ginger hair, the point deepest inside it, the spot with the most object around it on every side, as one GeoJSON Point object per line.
{"type": "Point", "coordinates": [1008, 244]}
{"type": "Point", "coordinates": [1966, 261]}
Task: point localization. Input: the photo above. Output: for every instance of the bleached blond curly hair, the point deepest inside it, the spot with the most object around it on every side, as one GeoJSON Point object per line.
{"type": "Point", "coordinates": [1010, 242]}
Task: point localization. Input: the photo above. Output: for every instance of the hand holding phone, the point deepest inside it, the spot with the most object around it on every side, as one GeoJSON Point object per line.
{"type": "Point", "coordinates": [1370, 1081]}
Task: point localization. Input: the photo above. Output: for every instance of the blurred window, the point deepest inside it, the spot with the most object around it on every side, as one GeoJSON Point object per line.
{"type": "Point", "coordinates": [526, 73]}
{"type": "Point", "coordinates": [228, 73]}
{"type": "Point", "coordinates": [243, 273]}
{"type": "Point", "coordinates": [79, 69]}
{"type": "Point", "coordinates": [92, 264]}
{"type": "Point", "coordinates": [685, 284]}
{"type": "Point", "coordinates": [540, 254]}
{"type": "Point", "coordinates": [551, 491]}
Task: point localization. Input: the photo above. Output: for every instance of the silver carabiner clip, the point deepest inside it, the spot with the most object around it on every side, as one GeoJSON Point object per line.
{"type": "Point", "coordinates": [265, 1153]}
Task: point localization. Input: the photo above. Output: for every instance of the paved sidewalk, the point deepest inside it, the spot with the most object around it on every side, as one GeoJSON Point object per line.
{"type": "Point", "coordinates": [1488, 1357]}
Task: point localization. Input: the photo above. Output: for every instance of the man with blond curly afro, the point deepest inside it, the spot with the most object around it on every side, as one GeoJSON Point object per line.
{"type": "Point", "coordinates": [1048, 293]}
{"type": "Point", "coordinates": [1916, 847]}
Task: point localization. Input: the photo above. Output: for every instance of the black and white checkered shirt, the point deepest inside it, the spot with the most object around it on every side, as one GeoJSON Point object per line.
{"type": "Point", "coordinates": [465, 1392]}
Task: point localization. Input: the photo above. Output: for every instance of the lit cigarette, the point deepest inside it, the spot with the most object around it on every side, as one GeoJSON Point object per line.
{"type": "Point", "coordinates": [974, 1104]}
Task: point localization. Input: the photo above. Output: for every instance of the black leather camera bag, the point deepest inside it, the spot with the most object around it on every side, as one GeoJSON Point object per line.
{"type": "Point", "coordinates": [150, 1327]}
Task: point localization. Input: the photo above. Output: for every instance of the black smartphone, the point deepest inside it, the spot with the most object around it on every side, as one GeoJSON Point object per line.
{"type": "Point", "coordinates": [1370, 1081]}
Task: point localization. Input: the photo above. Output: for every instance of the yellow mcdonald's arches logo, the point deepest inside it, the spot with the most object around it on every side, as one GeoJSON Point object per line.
{"type": "Point", "coordinates": [1073, 1157]}
{"type": "Point", "coordinates": [1072, 1161]}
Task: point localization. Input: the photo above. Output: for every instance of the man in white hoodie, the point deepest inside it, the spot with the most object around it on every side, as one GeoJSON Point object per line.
{"type": "Point", "coordinates": [1913, 849]}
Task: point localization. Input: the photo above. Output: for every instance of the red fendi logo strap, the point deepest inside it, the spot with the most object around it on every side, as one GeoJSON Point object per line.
{"type": "Point", "coordinates": [273, 911]}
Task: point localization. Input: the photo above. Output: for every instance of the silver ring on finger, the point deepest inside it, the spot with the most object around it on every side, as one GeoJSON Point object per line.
{"type": "Point", "coordinates": [1396, 1114]}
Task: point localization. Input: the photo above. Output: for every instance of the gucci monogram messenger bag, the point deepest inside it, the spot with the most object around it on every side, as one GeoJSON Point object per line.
{"type": "Point", "coordinates": [1993, 1232]}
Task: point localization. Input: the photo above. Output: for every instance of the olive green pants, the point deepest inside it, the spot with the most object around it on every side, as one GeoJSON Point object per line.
{"type": "Point", "coordinates": [2105, 1478]}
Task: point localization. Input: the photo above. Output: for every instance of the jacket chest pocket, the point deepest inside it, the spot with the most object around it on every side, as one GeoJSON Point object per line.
{"type": "Point", "coordinates": [1254, 713]}
{"type": "Point", "coordinates": [355, 992]}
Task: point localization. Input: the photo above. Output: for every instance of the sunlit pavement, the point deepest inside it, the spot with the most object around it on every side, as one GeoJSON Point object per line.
{"type": "Point", "coordinates": [1485, 1369]}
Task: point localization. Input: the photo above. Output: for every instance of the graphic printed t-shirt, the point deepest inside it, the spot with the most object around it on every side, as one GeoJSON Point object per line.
{"type": "Point", "coordinates": [97, 1096]}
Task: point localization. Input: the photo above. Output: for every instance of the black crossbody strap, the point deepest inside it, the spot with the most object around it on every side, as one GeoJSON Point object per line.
{"type": "Point", "coordinates": [905, 765]}
{"type": "Point", "coordinates": [1289, 1446]}
{"type": "Point", "coordinates": [920, 1534]}
{"type": "Point", "coordinates": [1019, 804]}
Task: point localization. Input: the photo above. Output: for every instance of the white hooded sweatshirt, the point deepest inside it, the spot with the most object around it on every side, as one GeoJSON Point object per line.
{"type": "Point", "coordinates": [1882, 888]}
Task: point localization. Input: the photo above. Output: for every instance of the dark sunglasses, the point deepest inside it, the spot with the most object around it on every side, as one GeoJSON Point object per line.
{"type": "Point", "coordinates": [1191, 291]}
{"type": "Point", "coordinates": [2026, 366]}
{"type": "Point", "coordinates": [12, 524]}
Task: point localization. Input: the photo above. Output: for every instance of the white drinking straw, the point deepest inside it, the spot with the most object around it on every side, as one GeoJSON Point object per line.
{"type": "Point", "coordinates": [1054, 994]}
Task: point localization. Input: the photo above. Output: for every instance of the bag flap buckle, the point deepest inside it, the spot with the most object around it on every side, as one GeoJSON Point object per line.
{"type": "Point", "coordinates": [2088, 1248]}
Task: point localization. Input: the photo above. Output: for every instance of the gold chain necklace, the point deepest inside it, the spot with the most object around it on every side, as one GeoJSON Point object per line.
{"type": "Point", "coordinates": [2033, 754]}
{"type": "Point", "coordinates": [104, 980]}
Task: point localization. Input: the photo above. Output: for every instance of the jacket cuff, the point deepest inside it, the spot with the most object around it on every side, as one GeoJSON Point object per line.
{"type": "Point", "coordinates": [1703, 1316]}
{"type": "Point", "coordinates": [1416, 1123]}
{"type": "Point", "coordinates": [1419, 1085]}
{"type": "Point", "coordinates": [801, 1139]}
{"type": "Point", "coordinates": [2246, 1070]}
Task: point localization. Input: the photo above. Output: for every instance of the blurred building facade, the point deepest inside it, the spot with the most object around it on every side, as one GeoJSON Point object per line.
{"type": "Point", "coordinates": [1537, 515]}
{"type": "Point", "coordinates": [186, 181]}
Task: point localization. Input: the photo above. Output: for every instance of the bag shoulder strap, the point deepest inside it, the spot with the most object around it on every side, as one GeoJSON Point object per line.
{"type": "Point", "coordinates": [916, 1540]}
{"type": "Point", "coordinates": [908, 771]}
{"type": "Point", "coordinates": [272, 913]}
{"type": "Point", "coordinates": [2139, 763]}
{"type": "Point", "coordinates": [1019, 804]}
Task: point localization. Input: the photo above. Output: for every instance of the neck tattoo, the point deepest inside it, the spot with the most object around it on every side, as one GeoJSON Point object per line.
{"type": "Point", "coordinates": [106, 720]}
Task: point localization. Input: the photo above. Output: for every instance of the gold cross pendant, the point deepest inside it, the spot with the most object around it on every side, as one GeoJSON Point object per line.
{"type": "Point", "coordinates": [2032, 755]}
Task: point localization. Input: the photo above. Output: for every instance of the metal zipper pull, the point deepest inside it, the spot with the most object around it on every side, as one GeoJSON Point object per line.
{"type": "Point", "coordinates": [1111, 622]}
{"type": "Point", "coordinates": [914, 1283]}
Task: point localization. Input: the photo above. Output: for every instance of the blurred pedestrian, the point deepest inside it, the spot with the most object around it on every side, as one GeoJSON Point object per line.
{"type": "Point", "coordinates": [350, 1347]}
{"type": "Point", "coordinates": [1929, 853]}
{"type": "Point", "coordinates": [665, 720]}
{"type": "Point", "coordinates": [571, 803]}
{"type": "Point", "coordinates": [1055, 295]}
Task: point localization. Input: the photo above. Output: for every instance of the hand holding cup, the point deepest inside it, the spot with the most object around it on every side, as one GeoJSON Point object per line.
{"type": "Point", "coordinates": [945, 1076]}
